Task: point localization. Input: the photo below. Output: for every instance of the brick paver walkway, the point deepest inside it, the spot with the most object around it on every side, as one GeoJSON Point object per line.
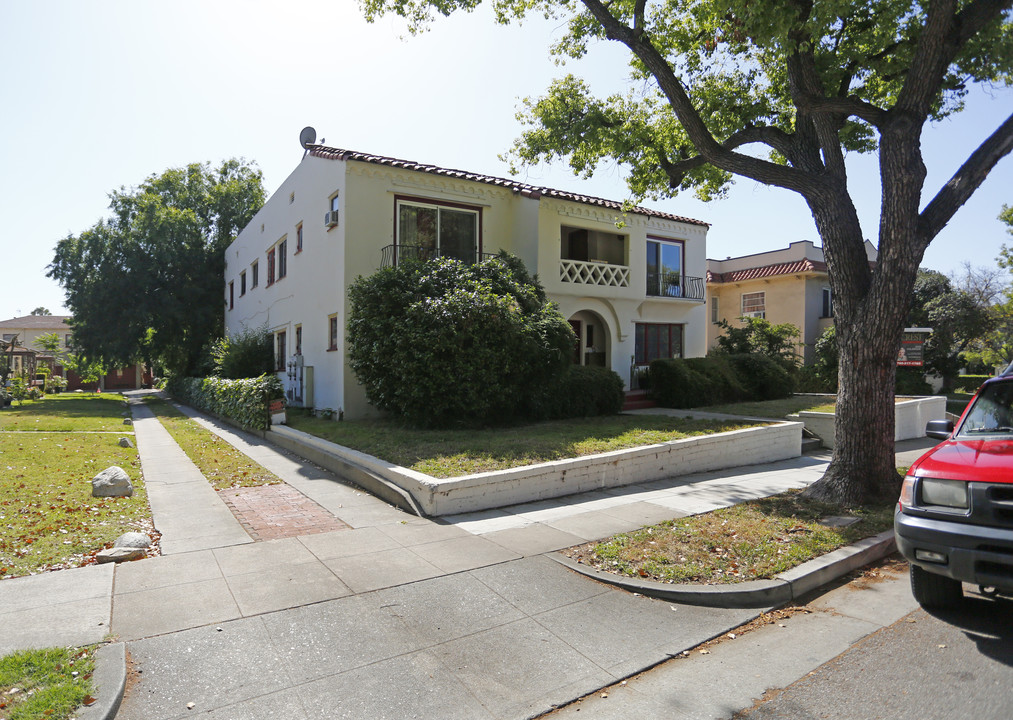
{"type": "Point", "coordinates": [268, 512]}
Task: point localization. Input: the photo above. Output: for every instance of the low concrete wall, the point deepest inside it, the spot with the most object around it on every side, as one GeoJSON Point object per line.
{"type": "Point", "coordinates": [482, 491]}
{"type": "Point", "coordinates": [910, 415]}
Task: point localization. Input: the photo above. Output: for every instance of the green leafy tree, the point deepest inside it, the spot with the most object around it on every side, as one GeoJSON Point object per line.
{"type": "Point", "coordinates": [41, 311]}
{"type": "Point", "coordinates": [246, 354]}
{"type": "Point", "coordinates": [778, 92]}
{"type": "Point", "coordinates": [442, 343]}
{"type": "Point", "coordinates": [760, 336]}
{"type": "Point", "coordinates": [148, 282]}
{"type": "Point", "coordinates": [958, 318]}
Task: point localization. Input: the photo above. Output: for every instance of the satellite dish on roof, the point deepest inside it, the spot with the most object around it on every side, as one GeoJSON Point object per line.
{"type": "Point", "coordinates": [307, 137]}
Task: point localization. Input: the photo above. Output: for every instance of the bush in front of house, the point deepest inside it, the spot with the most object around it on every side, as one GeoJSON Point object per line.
{"type": "Point", "coordinates": [248, 353]}
{"type": "Point", "coordinates": [762, 377]}
{"type": "Point", "coordinates": [719, 378]}
{"type": "Point", "coordinates": [441, 343]}
{"type": "Point", "coordinates": [243, 401]}
{"type": "Point", "coordinates": [581, 391]}
{"type": "Point", "coordinates": [692, 382]}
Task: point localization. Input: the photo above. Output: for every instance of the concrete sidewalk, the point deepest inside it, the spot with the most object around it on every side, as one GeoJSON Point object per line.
{"type": "Point", "coordinates": [395, 616]}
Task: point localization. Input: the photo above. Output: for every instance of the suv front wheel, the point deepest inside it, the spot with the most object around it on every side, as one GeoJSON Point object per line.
{"type": "Point", "coordinates": [935, 591]}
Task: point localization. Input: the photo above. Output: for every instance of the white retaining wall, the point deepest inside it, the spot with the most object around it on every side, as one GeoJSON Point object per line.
{"type": "Point", "coordinates": [483, 491]}
{"type": "Point", "coordinates": [911, 417]}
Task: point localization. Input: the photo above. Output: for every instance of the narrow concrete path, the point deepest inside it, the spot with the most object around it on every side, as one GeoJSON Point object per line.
{"type": "Point", "coordinates": [186, 509]}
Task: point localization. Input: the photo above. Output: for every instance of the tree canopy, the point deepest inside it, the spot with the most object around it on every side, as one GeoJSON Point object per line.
{"type": "Point", "coordinates": [148, 282]}
{"type": "Point", "coordinates": [41, 311]}
{"type": "Point", "coordinates": [780, 91]}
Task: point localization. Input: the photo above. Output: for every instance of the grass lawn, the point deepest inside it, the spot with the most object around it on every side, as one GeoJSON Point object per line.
{"type": "Point", "coordinates": [51, 683]}
{"type": "Point", "coordinates": [68, 412]}
{"type": "Point", "coordinates": [48, 517]}
{"type": "Point", "coordinates": [749, 541]}
{"type": "Point", "coordinates": [772, 408]}
{"type": "Point", "coordinates": [223, 465]}
{"type": "Point", "coordinates": [450, 453]}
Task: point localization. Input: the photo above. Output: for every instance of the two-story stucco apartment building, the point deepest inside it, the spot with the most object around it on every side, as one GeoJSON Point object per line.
{"type": "Point", "coordinates": [630, 283]}
{"type": "Point", "coordinates": [790, 285]}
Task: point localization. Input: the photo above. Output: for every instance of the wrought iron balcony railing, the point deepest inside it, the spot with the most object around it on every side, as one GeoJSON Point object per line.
{"type": "Point", "coordinates": [675, 286]}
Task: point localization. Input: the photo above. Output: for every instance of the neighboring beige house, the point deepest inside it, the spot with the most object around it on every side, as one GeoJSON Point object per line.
{"type": "Point", "coordinates": [24, 331]}
{"type": "Point", "coordinates": [783, 286]}
{"type": "Point", "coordinates": [630, 282]}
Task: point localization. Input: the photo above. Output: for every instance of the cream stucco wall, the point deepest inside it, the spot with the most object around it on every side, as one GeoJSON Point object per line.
{"type": "Point", "coordinates": [315, 286]}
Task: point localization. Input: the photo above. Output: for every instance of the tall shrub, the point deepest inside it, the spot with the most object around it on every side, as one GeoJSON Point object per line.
{"type": "Point", "coordinates": [440, 342]}
{"type": "Point", "coordinates": [245, 354]}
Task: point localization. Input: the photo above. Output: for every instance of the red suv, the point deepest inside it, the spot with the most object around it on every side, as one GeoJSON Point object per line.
{"type": "Point", "coordinates": [954, 520]}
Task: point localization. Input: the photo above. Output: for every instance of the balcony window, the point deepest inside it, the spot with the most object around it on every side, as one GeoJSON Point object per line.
{"type": "Point", "coordinates": [592, 257]}
{"type": "Point", "coordinates": [438, 230]}
{"type": "Point", "coordinates": [664, 268]}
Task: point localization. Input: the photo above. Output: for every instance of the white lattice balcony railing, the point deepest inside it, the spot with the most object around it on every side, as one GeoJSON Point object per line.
{"type": "Point", "coordinates": [593, 273]}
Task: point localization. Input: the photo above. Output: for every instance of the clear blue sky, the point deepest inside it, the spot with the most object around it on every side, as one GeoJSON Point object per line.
{"type": "Point", "coordinates": [99, 95]}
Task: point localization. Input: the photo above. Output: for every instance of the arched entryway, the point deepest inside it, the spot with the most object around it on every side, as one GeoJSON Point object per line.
{"type": "Point", "coordinates": [594, 342]}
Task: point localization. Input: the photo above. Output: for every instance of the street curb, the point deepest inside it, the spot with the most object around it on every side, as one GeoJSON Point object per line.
{"type": "Point", "coordinates": [784, 588]}
{"type": "Point", "coordinates": [110, 679]}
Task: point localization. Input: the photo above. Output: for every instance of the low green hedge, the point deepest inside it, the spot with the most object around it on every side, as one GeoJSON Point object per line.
{"type": "Point", "coordinates": [244, 401]}
{"type": "Point", "coordinates": [693, 382]}
{"type": "Point", "coordinates": [581, 391]}
{"type": "Point", "coordinates": [969, 383]}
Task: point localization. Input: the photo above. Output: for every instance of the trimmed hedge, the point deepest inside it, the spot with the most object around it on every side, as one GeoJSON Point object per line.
{"type": "Point", "coordinates": [244, 401]}
{"type": "Point", "coordinates": [581, 391]}
{"type": "Point", "coordinates": [970, 383]}
{"type": "Point", "coordinates": [693, 382]}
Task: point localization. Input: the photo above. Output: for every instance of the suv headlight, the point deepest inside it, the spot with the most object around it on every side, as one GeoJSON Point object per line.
{"type": "Point", "coordinates": [943, 493]}
{"type": "Point", "coordinates": [907, 492]}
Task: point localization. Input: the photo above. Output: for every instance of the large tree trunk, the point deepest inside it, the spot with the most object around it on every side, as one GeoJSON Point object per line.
{"type": "Point", "coordinates": [869, 308]}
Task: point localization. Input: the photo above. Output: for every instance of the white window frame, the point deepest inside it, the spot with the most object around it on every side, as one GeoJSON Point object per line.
{"type": "Point", "coordinates": [755, 309]}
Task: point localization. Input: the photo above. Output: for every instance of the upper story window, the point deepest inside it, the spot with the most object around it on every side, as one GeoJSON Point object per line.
{"type": "Point", "coordinates": [429, 229]}
{"type": "Point", "coordinates": [593, 246]}
{"type": "Point", "coordinates": [282, 259]}
{"type": "Point", "coordinates": [715, 310]}
{"type": "Point", "coordinates": [66, 341]}
{"type": "Point", "coordinates": [242, 283]}
{"type": "Point", "coordinates": [664, 267]}
{"type": "Point", "coordinates": [827, 306]}
{"type": "Point", "coordinates": [232, 294]}
{"type": "Point", "coordinates": [298, 238]}
{"type": "Point", "coordinates": [254, 274]}
{"type": "Point", "coordinates": [754, 305]}
{"type": "Point", "coordinates": [270, 266]}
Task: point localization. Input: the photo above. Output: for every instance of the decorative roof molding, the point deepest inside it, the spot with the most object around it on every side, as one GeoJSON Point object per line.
{"type": "Point", "coordinates": [523, 189]}
{"type": "Point", "coordinates": [808, 267]}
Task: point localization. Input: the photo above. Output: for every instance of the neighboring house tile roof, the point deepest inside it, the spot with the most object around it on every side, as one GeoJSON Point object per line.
{"type": "Point", "coordinates": [524, 189]}
{"type": "Point", "coordinates": [790, 268]}
{"type": "Point", "coordinates": [37, 322]}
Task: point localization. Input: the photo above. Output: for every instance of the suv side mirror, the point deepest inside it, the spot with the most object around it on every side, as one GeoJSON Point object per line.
{"type": "Point", "coordinates": [939, 429]}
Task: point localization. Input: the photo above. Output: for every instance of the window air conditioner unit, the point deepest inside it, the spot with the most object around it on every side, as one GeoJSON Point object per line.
{"type": "Point", "coordinates": [331, 218]}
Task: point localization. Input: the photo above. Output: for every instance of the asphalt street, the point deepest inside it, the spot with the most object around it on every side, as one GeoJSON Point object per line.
{"type": "Point", "coordinates": [862, 650]}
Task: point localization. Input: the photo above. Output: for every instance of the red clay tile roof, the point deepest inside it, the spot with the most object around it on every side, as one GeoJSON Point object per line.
{"type": "Point", "coordinates": [37, 322]}
{"type": "Point", "coordinates": [524, 189]}
{"type": "Point", "coordinates": [792, 268]}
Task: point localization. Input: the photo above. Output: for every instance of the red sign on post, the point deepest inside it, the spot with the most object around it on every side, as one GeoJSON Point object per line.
{"type": "Point", "coordinates": [911, 344]}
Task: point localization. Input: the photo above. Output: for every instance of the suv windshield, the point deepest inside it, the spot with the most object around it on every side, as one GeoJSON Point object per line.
{"type": "Point", "coordinates": [992, 412]}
